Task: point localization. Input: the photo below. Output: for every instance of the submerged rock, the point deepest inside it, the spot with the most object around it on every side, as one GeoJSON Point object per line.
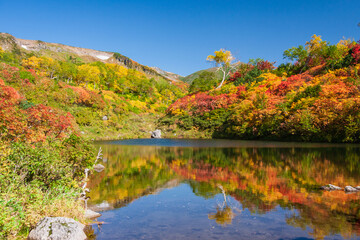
{"type": "Point", "coordinates": [58, 228]}
{"type": "Point", "coordinates": [99, 167]}
{"type": "Point", "coordinates": [156, 134]}
{"type": "Point", "coordinates": [91, 214]}
{"type": "Point", "coordinates": [331, 187]}
{"type": "Point", "coordinates": [350, 189]}
{"type": "Point", "coordinates": [104, 206]}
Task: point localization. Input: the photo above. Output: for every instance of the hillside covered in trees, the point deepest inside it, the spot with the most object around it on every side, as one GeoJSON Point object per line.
{"type": "Point", "coordinates": [49, 108]}
{"type": "Point", "coordinates": [314, 97]}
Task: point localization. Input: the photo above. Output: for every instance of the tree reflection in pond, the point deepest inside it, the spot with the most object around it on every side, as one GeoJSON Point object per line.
{"type": "Point", "coordinates": [224, 212]}
{"type": "Point", "coordinates": [260, 179]}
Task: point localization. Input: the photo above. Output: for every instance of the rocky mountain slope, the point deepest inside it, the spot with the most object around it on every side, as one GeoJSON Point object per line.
{"type": "Point", "coordinates": [64, 52]}
{"type": "Point", "coordinates": [169, 75]}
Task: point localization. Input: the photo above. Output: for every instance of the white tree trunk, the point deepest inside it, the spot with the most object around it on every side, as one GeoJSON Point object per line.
{"type": "Point", "coordinates": [224, 76]}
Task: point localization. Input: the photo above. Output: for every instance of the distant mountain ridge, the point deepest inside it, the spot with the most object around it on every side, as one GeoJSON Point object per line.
{"type": "Point", "coordinates": [63, 52]}
{"type": "Point", "coordinates": [218, 74]}
{"type": "Point", "coordinates": [169, 75]}
{"type": "Point", "coordinates": [190, 78]}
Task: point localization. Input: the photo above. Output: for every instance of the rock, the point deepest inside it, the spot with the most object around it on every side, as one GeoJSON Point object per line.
{"type": "Point", "coordinates": [350, 189]}
{"type": "Point", "coordinates": [91, 214]}
{"type": "Point", "coordinates": [331, 187]}
{"type": "Point", "coordinates": [104, 206]}
{"type": "Point", "coordinates": [99, 167]}
{"type": "Point", "coordinates": [105, 118]}
{"type": "Point", "coordinates": [58, 228]}
{"type": "Point", "coordinates": [156, 134]}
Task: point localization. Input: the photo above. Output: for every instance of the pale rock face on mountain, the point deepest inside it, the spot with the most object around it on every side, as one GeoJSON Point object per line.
{"type": "Point", "coordinates": [169, 75]}
{"type": "Point", "coordinates": [37, 46]}
{"type": "Point", "coordinates": [58, 51]}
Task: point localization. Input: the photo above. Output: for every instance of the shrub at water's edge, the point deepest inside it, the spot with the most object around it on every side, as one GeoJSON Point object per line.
{"type": "Point", "coordinates": [316, 98]}
{"type": "Point", "coordinates": [41, 180]}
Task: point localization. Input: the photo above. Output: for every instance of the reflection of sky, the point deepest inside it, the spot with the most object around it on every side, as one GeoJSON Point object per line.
{"type": "Point", "coordinates": [178, 214]}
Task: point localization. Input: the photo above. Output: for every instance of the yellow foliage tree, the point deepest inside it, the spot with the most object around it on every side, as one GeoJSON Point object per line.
{"type": "Point", "coordinates": [88, 74]}
{"type": "Point", "coordinates": [32, 63]}
{"type": "Point", "coordinates": [50, 66]}
{"type": "Point", "coordinates": [315, 44]}
{"type": "Point", "coordinates": [343, 46]}
{"type": "Point", "coordinates": [42, 65]}
{"type": "Point", "coordinates": [223, 60]}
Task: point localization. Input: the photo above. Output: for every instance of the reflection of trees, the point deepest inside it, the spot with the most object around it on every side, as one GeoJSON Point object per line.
{"type": "Point", "coordinates": [129, 174]}
{"type": "Point", "coordinates": [263, 178]}
{"type": "Point", "coordinates": [306, 218]}
{"type": "Point", "coordinates": [223, 215]}
{"type": "Point", "coordinates": [260, 178]}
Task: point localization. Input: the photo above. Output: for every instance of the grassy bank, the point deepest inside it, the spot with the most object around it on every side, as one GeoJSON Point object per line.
{"type": "Point", "coordinates": [41, 179]}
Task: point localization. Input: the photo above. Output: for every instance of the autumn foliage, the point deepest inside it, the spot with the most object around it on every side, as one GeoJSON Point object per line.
{"type": "Point", "coordinates": [315, 98]}
{"type": "Point", "coordinates": [30, 124]}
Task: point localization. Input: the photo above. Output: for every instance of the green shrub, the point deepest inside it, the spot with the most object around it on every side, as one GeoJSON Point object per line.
{"type": "Point", "coordinates": [27, 75]}
{"type": "Point", "coordinates": [41, 180]}
{"type": "Point", "coordinates": [205, 82]}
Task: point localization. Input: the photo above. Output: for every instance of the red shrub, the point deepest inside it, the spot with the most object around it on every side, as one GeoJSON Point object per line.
{"type": "Point", "coordinates": [356, 53]}
{"type": "Point", "coordinates": [265, 65]}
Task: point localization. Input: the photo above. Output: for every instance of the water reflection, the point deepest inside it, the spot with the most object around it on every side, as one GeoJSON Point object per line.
{"type": "Point", "coordinates": [261, 179]}
{"type": "Point", "coordinates": [224, 212]}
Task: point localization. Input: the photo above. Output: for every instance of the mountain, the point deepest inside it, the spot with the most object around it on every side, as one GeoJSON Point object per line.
{"type": "Point", "coordinates": [169, 75]}
{"type": "Point", "coordinates": [190, 78]}
{"type": "Point", "coordinates": [64, 52]}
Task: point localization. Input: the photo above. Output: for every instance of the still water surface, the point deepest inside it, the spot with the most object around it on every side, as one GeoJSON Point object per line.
{"type": "Point", "coordinates": [223, 189]}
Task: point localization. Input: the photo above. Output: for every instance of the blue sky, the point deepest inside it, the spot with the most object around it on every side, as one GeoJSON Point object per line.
{"type": "Point", "coordinates": [178, 35]}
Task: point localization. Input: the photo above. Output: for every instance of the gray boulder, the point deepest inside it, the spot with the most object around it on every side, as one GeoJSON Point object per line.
{"type": "Point", "coordinates": [331, 187]}
{"type": "Point", "coordinates": [99, 167]}
{"type": "Point", "coordinates": [350, 189]}
{"type": "Point", "coordinates": [91, 214]}
{"type": "Point", "coordinates": [156, 134]}
{"type": "Point", "coordinates": [58, 228]}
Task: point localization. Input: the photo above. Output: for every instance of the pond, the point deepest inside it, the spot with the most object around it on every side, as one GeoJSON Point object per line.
{"type": "Point", "coordinates": [225, 189]}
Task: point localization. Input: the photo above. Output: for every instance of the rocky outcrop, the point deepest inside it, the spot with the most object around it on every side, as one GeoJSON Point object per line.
{"type": "Point", "coordinates": [348, 189]}
{"type": "Point", "coordinates": [58, 228]}
{"type": "Point", "coordinates": [351, 189]}
{"type": "Point", "coordinates": [169, 75]}
{"type": "Point", "coordinates": [99, 167]}
{"type": "Point", "coordinates": [331, 187]}
{"type": "Point", "coordinates": [90, 214]}
{"type": "Point", "coordinates": [156, 134]}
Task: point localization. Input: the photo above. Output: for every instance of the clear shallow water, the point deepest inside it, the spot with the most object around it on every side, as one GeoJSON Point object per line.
{"type": "Point", "coordinates": [171, 189]}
